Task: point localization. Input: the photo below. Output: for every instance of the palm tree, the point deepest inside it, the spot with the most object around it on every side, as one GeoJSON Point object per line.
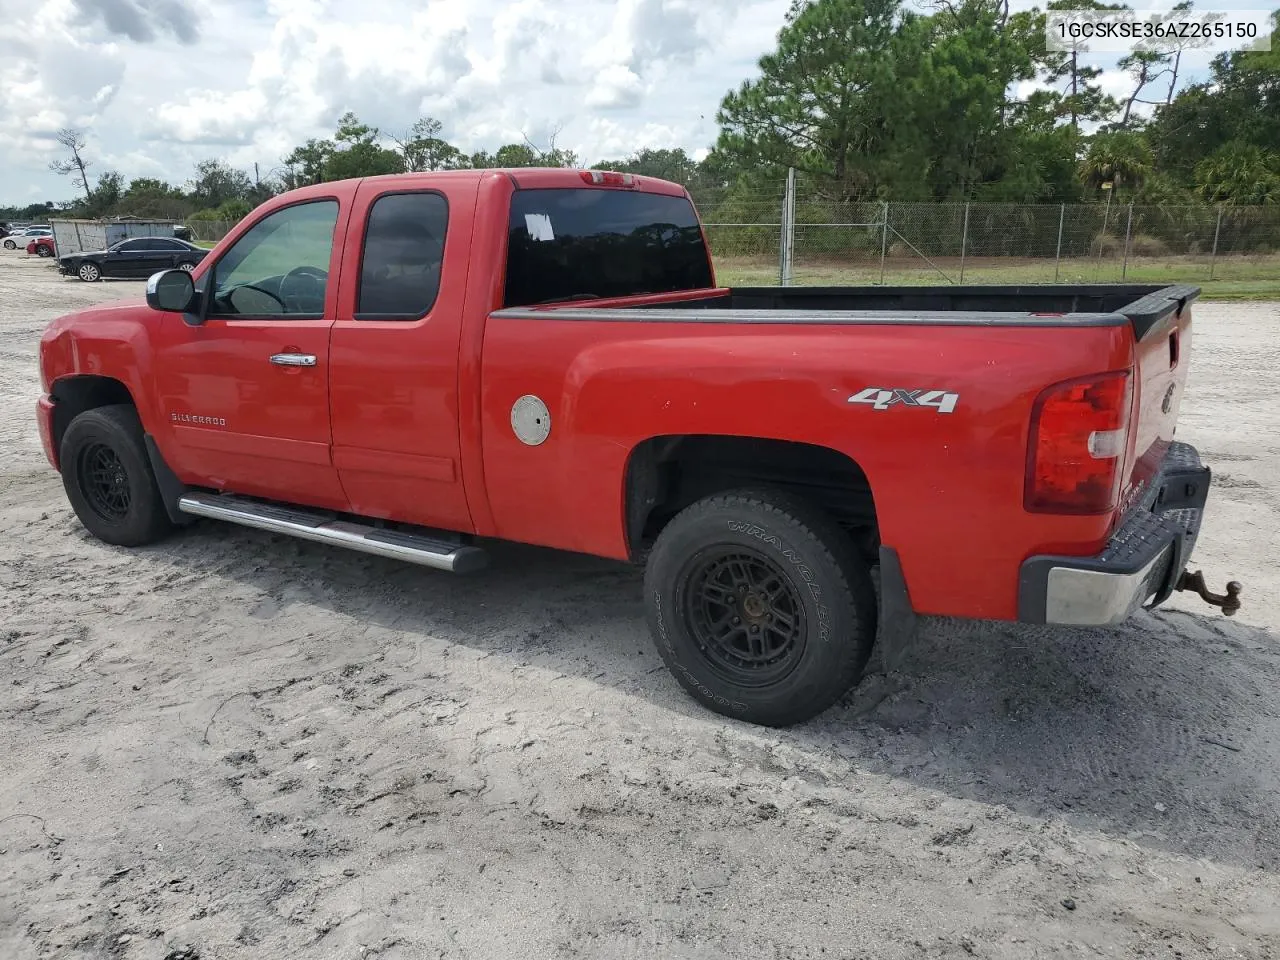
{"type": "Point", "coordinates": [1119, 157]}
{"type": "Point", "coordinates": [1239, 174]}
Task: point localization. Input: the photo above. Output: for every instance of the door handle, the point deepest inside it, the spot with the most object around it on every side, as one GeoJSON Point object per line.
{"type": "Point", "coordinates": [294, 359]}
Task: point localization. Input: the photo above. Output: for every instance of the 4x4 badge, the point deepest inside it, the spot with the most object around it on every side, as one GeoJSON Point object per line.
{"type": "Point", "coordinates": [882, 399]}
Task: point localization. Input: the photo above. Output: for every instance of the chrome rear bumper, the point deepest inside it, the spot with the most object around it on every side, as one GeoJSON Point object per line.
{"type": "Point", "coordinates": [1142, 561]}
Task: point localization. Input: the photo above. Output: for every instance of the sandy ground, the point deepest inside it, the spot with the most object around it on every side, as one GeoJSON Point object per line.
{"type": "Point", "coordinates": [264, 749]}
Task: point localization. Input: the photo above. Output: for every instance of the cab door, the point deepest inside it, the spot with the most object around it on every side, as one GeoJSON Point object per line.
{"type": "Point", "coordinates": [395, 351]}
{"type": "Point", "coordinates": [245, 394]}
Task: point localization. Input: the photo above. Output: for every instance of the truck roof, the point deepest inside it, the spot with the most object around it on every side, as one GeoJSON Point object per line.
{"type": "Point", "coordinates": [527, 178]}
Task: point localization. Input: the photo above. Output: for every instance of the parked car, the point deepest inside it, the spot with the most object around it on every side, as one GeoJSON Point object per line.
{"type": "Point", "coordinates": [137, 257]}
{"type": "Point", "coordinates": [41, 247]}
{"type": "Point", "coordinates": [23, 237]}
{"type": "Point", "coordinates": [347, 370]}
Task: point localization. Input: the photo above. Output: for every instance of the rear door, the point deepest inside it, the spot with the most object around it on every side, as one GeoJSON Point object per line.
{"type": "Point", "coordinates": [245, 394]}
{"type": "Point", "coordinates": [395, 351]}
{"type": "Point", "coordinates": [126, 259]}
{"type": "Point", "coordinates": [160, 254]}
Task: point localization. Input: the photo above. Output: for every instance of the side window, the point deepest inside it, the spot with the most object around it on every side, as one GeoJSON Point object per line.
{"type": "Point", "coordinates": [131, 246]}
{"type": "Point", "coordinates": [403, 251]}
{"type": "Point", "coordinates": [279, 267]}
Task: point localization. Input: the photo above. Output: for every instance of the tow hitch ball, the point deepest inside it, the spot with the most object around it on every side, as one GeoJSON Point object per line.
{"type": "Point", "coordinates": [1195, 583]}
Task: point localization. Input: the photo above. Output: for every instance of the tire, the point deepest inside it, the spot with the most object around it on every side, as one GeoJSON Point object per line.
{"type": "Point", "coordinates": [108, 478]}
{"type": "Point", "coordinates": [10, 245]}
{"type": "Point", "coordinates": [187, 266]}
{"type": "Point", "coordinates": [89, 272]}
{"type": "Point", "coordinates": [799, 567]}
{"type": "Point", "coordinates": [43, 251]}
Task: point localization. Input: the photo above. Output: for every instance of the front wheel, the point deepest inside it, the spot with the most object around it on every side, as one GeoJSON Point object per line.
{"type": "Point", "coordinates": [10, 245]}
{"type": "Point", "coordinates": [89, 272]}
{"type": "Point", "coordinates": [108, 477]}
{"type": "Point", "coordinates": [760, 606]}
{"type": "Point", "coordinates": [43, 252]}
{"type": "Point", "coordinates": [186, 266]}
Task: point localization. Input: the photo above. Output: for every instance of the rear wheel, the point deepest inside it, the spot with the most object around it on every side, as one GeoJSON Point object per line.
{"type": "Point", "coordinates": [10, 245]}
{"type": "Point", "coordinates": [43, 251]}
{"type": "Point", "coordinates": [89, 272]}
{"type": "Point", "coordinates": [187, 266]}
{"type": "Point", "coordinates": [760, 606]}
{"type": "Point", "coordinates": [108, 478]}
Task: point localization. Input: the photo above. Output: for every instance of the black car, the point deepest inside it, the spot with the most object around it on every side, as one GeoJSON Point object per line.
{"type": "Point", "coordinates": [139, 257]}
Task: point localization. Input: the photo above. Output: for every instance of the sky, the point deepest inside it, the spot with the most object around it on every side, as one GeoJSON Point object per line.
{"type": "Point", "coordinates": [159, 85]}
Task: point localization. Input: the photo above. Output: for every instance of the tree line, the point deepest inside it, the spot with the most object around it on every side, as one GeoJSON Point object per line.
{"type": "Point", "coordinates": [877, 102]}
{"type": "Point", "coordinates": [870, 100]}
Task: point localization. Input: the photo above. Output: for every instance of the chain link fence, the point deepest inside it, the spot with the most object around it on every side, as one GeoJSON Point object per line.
{"type": "Point", "coordinates": [746, 229]}
{"type": "Point", "coordinates": [209, 231]}
{"type": "Point", "coordinates": [792, 233]}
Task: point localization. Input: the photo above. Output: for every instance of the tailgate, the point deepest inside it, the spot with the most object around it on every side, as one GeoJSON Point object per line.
{"type": "Point", "coordinates": [1162, 355]}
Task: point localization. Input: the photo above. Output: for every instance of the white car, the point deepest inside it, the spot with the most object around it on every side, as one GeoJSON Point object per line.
{"type": "Point", "coordinates": [23, 237]}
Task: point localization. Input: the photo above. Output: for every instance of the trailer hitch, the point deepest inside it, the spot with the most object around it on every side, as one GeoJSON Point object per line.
{"type": "Point", "coordinates": [1195, 583]}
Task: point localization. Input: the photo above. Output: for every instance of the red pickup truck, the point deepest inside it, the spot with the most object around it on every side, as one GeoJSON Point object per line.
{"type": "Point", "coordinates": [410, 365]}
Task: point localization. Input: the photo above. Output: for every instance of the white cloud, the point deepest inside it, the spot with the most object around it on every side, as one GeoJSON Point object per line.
{"type": "Point", "coordinates": [249, 79]}
{"type": "Point", "coordinates": [614, 87]}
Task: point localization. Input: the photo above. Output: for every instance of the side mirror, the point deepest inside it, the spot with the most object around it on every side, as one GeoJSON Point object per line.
{"type": "Point", "coordinates": [172, 291]}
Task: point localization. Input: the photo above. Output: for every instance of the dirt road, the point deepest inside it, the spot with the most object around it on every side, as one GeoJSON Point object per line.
{"type": "Point", "coordinates": [268, 749]}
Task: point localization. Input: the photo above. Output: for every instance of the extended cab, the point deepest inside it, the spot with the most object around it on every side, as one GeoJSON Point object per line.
{"type": "Point", "coordinates": [411, 365]}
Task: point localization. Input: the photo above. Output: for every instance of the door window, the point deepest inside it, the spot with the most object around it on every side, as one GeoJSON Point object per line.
{"type": "Point", "coordinates": [280, 267]}
{"type": "Point", "coordinates": [403, 251]}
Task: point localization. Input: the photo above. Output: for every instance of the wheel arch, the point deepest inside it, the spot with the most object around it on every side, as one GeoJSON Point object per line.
{"type": "Point", "coordinates": [73, 395]}
{"type": "Point", "coordinates": [665, 474]}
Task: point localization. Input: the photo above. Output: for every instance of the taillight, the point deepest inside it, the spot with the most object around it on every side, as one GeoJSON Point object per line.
{"type": "Point", "coordinates": [603, 179]}
{"type": "Point", "coordinates": [1079, 431]}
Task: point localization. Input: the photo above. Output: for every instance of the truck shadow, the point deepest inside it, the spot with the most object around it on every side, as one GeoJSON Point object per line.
{"type": "Point", "coordinates": [1165, 731]}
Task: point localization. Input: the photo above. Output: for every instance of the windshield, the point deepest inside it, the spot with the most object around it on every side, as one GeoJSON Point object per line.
{"type": "Point", "coordinates": [582, 244]}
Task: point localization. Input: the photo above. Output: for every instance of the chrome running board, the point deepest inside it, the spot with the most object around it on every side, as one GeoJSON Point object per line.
{"type": "Point", "coordinates": [323, 527]}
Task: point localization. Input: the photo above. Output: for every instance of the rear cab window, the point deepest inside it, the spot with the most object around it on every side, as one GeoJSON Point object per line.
{"type": "Point", "coordinates": [585, 244]}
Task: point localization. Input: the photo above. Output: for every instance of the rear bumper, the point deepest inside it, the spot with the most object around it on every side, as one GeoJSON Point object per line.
{"type": "Point", "coordinates": [44, 421]}
{"type": "Point", "coordinates": [1141, 563]}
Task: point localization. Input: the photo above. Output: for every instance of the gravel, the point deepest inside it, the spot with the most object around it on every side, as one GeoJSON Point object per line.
{"type": "Point", "coordinates": [237, 745]}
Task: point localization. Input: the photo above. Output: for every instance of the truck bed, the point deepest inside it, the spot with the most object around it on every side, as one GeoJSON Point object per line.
{"type": "Point", "coordinates": [1142, 305]}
